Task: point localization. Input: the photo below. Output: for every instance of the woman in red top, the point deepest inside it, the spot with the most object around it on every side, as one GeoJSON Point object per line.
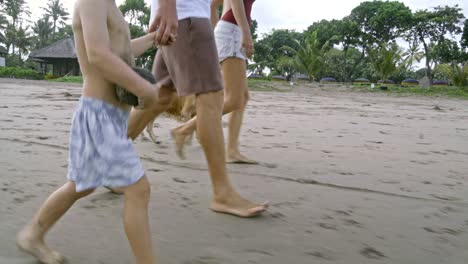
{"type": "Point", "coordinates": [235, 46]}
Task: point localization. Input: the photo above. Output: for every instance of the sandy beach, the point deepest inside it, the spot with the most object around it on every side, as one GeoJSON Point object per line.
{"type": "Point", "coordinates": [351, 178]}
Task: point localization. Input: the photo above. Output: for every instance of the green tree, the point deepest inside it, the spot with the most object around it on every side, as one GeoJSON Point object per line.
{"type": "Point", "coordinates": [328, 31]}
{"type": "Point", "coordinates": [137, 13]}
{"type": "Point", "coordinates": [374, 23]}
{"type": "Point", "coordinates": [464, 42]}
{"type": "Point", "coordinates": [270, 48]}
{"type": "Point", "coordinates": [381, 21]}
{"type": "Point", "coordinates": [43, 29]}
{"type": "Point", "coordinates": [308, 54]}
{"type": "Point", "coordinates": [432, 27]}
{"type": "Point", "coordinates": [57, 12]}
{"type": "Point", "coordinates": [385, 59]}
{"type": "Point", "coordinates": [345, 67]}
{"type": "Point", "coordinates": [411, 55]}
{"type": "Point", "coordinates": [15, 10]}
{"type": "Point", "coordinates": [464, 38]}
{"type": "Point", "coordinates": [285, 66]}
{"type": "Point", "coordinates": [3, 26]}
{"type": "Point", "coordinates": [23, 42]}
{"type": "Point", "coordinates": [253, 30]}
{"type": "Point", "coordinates": [349, 35]}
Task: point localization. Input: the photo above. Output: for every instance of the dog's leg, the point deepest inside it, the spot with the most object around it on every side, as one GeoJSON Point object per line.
{"type": "Point", "coordinates": [149, 130]}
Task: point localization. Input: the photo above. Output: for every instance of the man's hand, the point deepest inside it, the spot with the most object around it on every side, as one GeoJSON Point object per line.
{"type": "Point", "coordinates": [165, 22]}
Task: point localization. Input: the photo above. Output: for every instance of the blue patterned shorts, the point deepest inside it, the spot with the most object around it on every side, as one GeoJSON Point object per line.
{"type": "Point", "coordinates": [101, 154]}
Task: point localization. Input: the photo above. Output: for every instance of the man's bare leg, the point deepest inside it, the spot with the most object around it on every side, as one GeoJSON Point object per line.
{"type": "Point", "coordinates": [136, 221]}
{"type": "Point", "coordinates": [235, 99]}
{"type": "Point", "coordinates": [31, 238]}
{"type": "Point", "coordinates": [210, 133]}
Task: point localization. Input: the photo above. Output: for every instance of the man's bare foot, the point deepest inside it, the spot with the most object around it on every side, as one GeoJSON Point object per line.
{"type": "Point", "coordinates": [239, 159]}
{"type": "Point", "coordinates": [35, 247]}
{"type": "Point", "coordinates": [237, 206]}
{"type": "Point", "coordinates": [180, 140]}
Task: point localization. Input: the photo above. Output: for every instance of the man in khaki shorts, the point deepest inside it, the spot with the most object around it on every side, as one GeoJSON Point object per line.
{"type": "Point", "coordinates": [190, 65]}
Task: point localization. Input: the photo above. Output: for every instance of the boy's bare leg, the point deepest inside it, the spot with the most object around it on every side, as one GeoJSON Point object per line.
{"type": "Point", "coordinates": [139, 118]}
{"type": "Point", "coordinates": [136, 221]}
{"type": "Point", "coordinates": [31, 238]}
{"type": "Point", "coordinates": [210, 133]}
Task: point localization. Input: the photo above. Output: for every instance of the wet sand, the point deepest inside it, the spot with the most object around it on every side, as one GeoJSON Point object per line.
{"type": "Point", "coordinates": [351, 178]}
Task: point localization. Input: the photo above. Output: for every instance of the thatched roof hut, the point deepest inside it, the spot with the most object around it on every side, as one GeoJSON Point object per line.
{"type": "Point", "coordinates": [62, 56]}
{"type": "Point", "coordinates": [3, 53]}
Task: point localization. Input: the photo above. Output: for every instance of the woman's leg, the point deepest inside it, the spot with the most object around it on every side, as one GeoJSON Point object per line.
{"type": "Point", "coordinates": [236, 98]}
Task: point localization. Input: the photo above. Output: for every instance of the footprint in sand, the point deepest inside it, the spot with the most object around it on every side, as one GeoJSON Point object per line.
{"type": "Point", "coordinates": [23, 199]}
{"type": "Point", "coordinates": [277, 215]}
{"type": "Point", "coordinates": [443, 230]}
{"type": "Point", "coordinates": [389, 181]}
{"type": "Point", "coordinates": [351, 222]}
{"type": "Point", "coordinates": [323, 254]}
{"type": "Point", "coordinates": [445, 197]}
{"type": "Point", "coordinates": [259, 252]}
{"type": "Point", "coordinates": [342, 212]}
{"type": "Point", "coordinates": [371, 253]}
{"type": "Point", "coordinates": [204, 260]}
{"type": "Point", "coordinates": [328, 226]}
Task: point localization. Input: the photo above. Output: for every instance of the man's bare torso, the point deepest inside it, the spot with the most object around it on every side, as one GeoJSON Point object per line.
{"type": "Point", "coordinates": [94, 84]}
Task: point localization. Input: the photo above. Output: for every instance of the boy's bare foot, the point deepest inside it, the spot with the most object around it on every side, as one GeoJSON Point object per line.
{"type": "Point", "coordinates": [239, 159]}
{"type": "Point", "coordinates": [237, 206]}
{"type": "Point", "coordinates": [27, 243]}
{"type": "Point", "coordinates": [180, 140]}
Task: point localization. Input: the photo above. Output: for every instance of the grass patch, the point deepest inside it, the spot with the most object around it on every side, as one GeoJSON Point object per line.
{"type": "Point", "coordinates": [450, 91]}
{"type": "Point", "coordinates": [68, 79]}
{"type": "Point", "coordinates": [267, 86]}
{"type": "Point", "coordinates": [20, 73]}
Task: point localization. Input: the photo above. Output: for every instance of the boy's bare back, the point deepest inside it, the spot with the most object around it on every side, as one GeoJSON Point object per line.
{"type": "Point", "coordinates": [104, 25]}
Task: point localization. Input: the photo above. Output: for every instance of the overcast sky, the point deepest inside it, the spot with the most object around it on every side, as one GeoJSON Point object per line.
{"type": "Point", "coordinates": [292, 14]}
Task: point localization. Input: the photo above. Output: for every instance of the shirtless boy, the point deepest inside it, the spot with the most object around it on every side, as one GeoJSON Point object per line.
{"type": "Point", "coordinates": [100, 152]}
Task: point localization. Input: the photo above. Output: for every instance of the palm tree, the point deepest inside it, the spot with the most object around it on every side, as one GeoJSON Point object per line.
{"type": "Point", "coordinates": [411, 55]}
{"type": "Point", "coordinates": [57, 12]}
{"type": "Point", "coordinates": [309, 55]}
{"type": "Point", "coordinates": [10, 37]}
{"type": "Point", "coordinates": [3, 25]}
{"type": "Point", "coordinates": [23, 41]}
{"type": "Point", "coordinates": [42, 29]}
{"type": "Point", "coordinates": [385, 59]}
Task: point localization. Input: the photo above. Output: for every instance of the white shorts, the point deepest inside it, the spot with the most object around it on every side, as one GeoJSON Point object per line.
{"type": "Point", "coordinates": [228, 41]}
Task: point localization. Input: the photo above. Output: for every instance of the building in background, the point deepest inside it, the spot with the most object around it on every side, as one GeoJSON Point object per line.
{"type": "Point", "coordinates": [3, 53]}
{"type": "Point", "coordinates": [61, 55]}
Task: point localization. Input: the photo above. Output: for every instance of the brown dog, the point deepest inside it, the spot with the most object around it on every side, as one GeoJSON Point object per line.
{"type": "Point", "coordinates": [181, 109]}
